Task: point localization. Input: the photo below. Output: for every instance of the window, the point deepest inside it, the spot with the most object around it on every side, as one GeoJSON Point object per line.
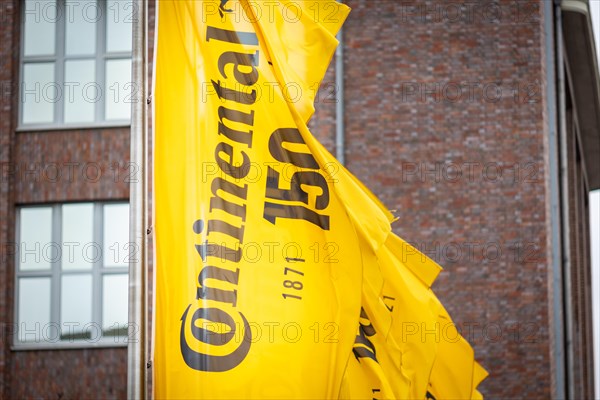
{"type": "Point", "coordinates": [72, 274]}
{"type": "Point", "coordinates": [75, 63]}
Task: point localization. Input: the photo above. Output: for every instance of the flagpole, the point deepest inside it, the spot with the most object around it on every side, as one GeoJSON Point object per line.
{"type": "Point", "coordinates": [136, 350]}
{"type": "Point", "coordinates": [340, 150]}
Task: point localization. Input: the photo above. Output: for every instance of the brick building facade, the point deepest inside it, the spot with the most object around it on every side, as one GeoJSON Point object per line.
{"type": "Point", "coordinates": [479, 123]}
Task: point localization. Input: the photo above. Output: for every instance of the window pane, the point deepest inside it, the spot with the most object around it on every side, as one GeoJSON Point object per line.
{"type": "Point", "coordinates": [81, 93]}
{"type": "Point", "coordinates": [119, 25]}
{"type": "Point", "coordinates": [40, 22]}
{"type": "Point", "coordinates": [78, 248]}
{"type": "Point", "coordinates": [36, 250]}
{"type": "Point", "coordinates": [118, 89]}
{"type": "Point", "coordinates": [114, 305]}
{"type": "Point", "coordinates": [34, 309]}
{"type": "Point", "coordinates": [39, 93]}
{"type": "Point", "coordinates": [81, 17]}
{"type": "Point", "coordinates": [76, 307]}
{"type": "Point", "coordinates": [116, 235]}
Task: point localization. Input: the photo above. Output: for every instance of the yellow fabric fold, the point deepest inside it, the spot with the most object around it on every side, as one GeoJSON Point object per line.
{"type": "Point", "coordinates": [299, 37]}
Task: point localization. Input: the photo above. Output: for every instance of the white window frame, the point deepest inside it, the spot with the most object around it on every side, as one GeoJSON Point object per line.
{"type": "Point", "coordinates": [59, 59]}
{"type": "Point", "coordinates": [55, 273]}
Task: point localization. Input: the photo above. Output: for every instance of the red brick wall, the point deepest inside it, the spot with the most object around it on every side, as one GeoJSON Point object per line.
{"type": "Point", "coordinates": [462, 162]}
{"type": "Point", "coordinates": [68, 374]}
{"type": "Point", "coordinates": [323, 122]}
{"type": "Point", "coordinates": [7, 64]}
{"type": "Point", "coordinates": [72, 165]}
{"type": "Point", "coordinates": [53, 166]}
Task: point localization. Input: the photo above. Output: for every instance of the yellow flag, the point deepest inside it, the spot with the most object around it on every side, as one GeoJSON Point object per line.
{"type": "Point", "coordinates": [257, 279]}
{"type": "Point", "coordinates": [407, 345]}
{"type": "Point", "coordinates": [277, 275]}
